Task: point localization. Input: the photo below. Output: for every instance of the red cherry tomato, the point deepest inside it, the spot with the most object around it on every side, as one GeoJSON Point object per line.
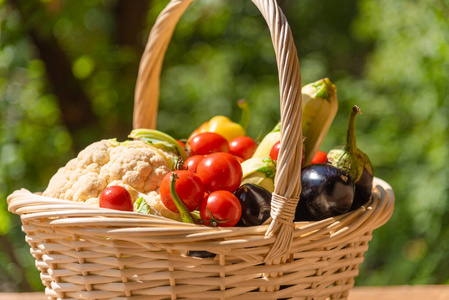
{"type": "Point", "coordinates": [242, 146]}
{"type": "Point", "coordinates": [189, 189]}
{"type": "Point", "coordinates": [116, 197]}
{"type": "Point", "coordinates": [220, 171]}
{"type": "Point", "coordinates": [274, 152]}
{"type": "Point", "coordinates": [220, 208]}
{"type": "Point", "coordinates": [207, 143]}
{"type": "Point", "coordinates": [193, 161]}
{"type": "Point", "coordinates": [320, 157]}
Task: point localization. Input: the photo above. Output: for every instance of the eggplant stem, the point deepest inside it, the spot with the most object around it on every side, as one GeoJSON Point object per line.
{"type": "Point", "coordinates": [351, 142]}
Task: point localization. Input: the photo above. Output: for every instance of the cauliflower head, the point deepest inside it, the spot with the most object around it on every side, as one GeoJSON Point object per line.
{"type": "Point", "coordinates": [133, 164]}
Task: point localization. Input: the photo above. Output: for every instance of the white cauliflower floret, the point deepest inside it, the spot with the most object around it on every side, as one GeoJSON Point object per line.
{"type": "Point", "coordinates": [107, 162]}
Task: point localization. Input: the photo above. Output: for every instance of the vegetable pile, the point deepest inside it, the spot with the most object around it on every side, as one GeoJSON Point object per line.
{"type": "Point", "coordinates": [219, 176]}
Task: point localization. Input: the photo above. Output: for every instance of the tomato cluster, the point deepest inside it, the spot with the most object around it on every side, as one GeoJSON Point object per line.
{"type": "Point", "coordinates": [210, 177]}
{"type": "Point", "coordinates": [205, 182]}
{"type": "Point", "coordinates": [208, 181]}
{"type": "Point", "coordinates": [211, 142]}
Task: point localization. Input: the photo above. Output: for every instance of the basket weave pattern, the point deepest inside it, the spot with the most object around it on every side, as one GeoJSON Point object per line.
{"type": "Point", "coordinates": [84, 252]}
{"type": "Point", "coordinates": [93, 253]}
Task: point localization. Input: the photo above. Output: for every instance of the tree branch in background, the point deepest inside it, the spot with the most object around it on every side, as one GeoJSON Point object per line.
{"type": "Point", "coordinates": [74, 103]}
{"type": "Point", "coordinates": [130, 35]}
{"type": "Point", "coordinates": [131, 17]}
{"type": "Point", "coordinates": [76, 110]}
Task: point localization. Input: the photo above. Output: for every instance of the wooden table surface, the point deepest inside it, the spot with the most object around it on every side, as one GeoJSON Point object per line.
{"type": "Point", "coordinates": [405, 292]}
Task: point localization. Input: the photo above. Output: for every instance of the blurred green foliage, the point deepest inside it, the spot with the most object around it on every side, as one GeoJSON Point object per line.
{"type": "Point", "coordinates": [389, 57]}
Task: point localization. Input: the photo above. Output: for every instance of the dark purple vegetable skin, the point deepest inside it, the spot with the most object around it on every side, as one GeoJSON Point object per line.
{"type": "Point", "coordinates": [326, 191]}
{"type": "Point", "coordinates": [202, 254]}
{"type": "Point", "coordinates": [363, 189]}
{"type": "Point", "coordinates": [255, 201]}
{"type": "Point", "coordinates": [256, 204]}
{"type": "Point", "coordinates": [355, 162]}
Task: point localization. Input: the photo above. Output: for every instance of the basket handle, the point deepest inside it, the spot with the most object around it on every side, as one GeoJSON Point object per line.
{"type": "Point", "coordinates": [287, 181]}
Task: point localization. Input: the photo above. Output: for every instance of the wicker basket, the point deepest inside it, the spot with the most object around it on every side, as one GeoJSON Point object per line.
{"type": "Point", "coordinates": [85, 252]}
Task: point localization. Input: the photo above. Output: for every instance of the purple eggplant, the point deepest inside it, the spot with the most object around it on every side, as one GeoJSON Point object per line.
{"type": "Point", "coordinates": [256, 204]}
{"type": "Point", "coordinates": [363, 189]}
{"type": "Point", "coordinates": [326, 191]}
{"type": "Point", "coordinates": [355, 162]}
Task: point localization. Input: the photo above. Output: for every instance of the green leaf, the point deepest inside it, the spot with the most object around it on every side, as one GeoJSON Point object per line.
{"type": "Point", "coordinates": [142, 207]}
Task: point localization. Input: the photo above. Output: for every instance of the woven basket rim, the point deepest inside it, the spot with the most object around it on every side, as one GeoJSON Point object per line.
{"type": "Point", "coordinates": [33, 205]}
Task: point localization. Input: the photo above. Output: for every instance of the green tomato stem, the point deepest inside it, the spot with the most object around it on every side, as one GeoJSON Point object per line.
{"type": "Point", "coordinates": [183, 211]}
{"type": "Point", "coordinates": [213, 222]}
